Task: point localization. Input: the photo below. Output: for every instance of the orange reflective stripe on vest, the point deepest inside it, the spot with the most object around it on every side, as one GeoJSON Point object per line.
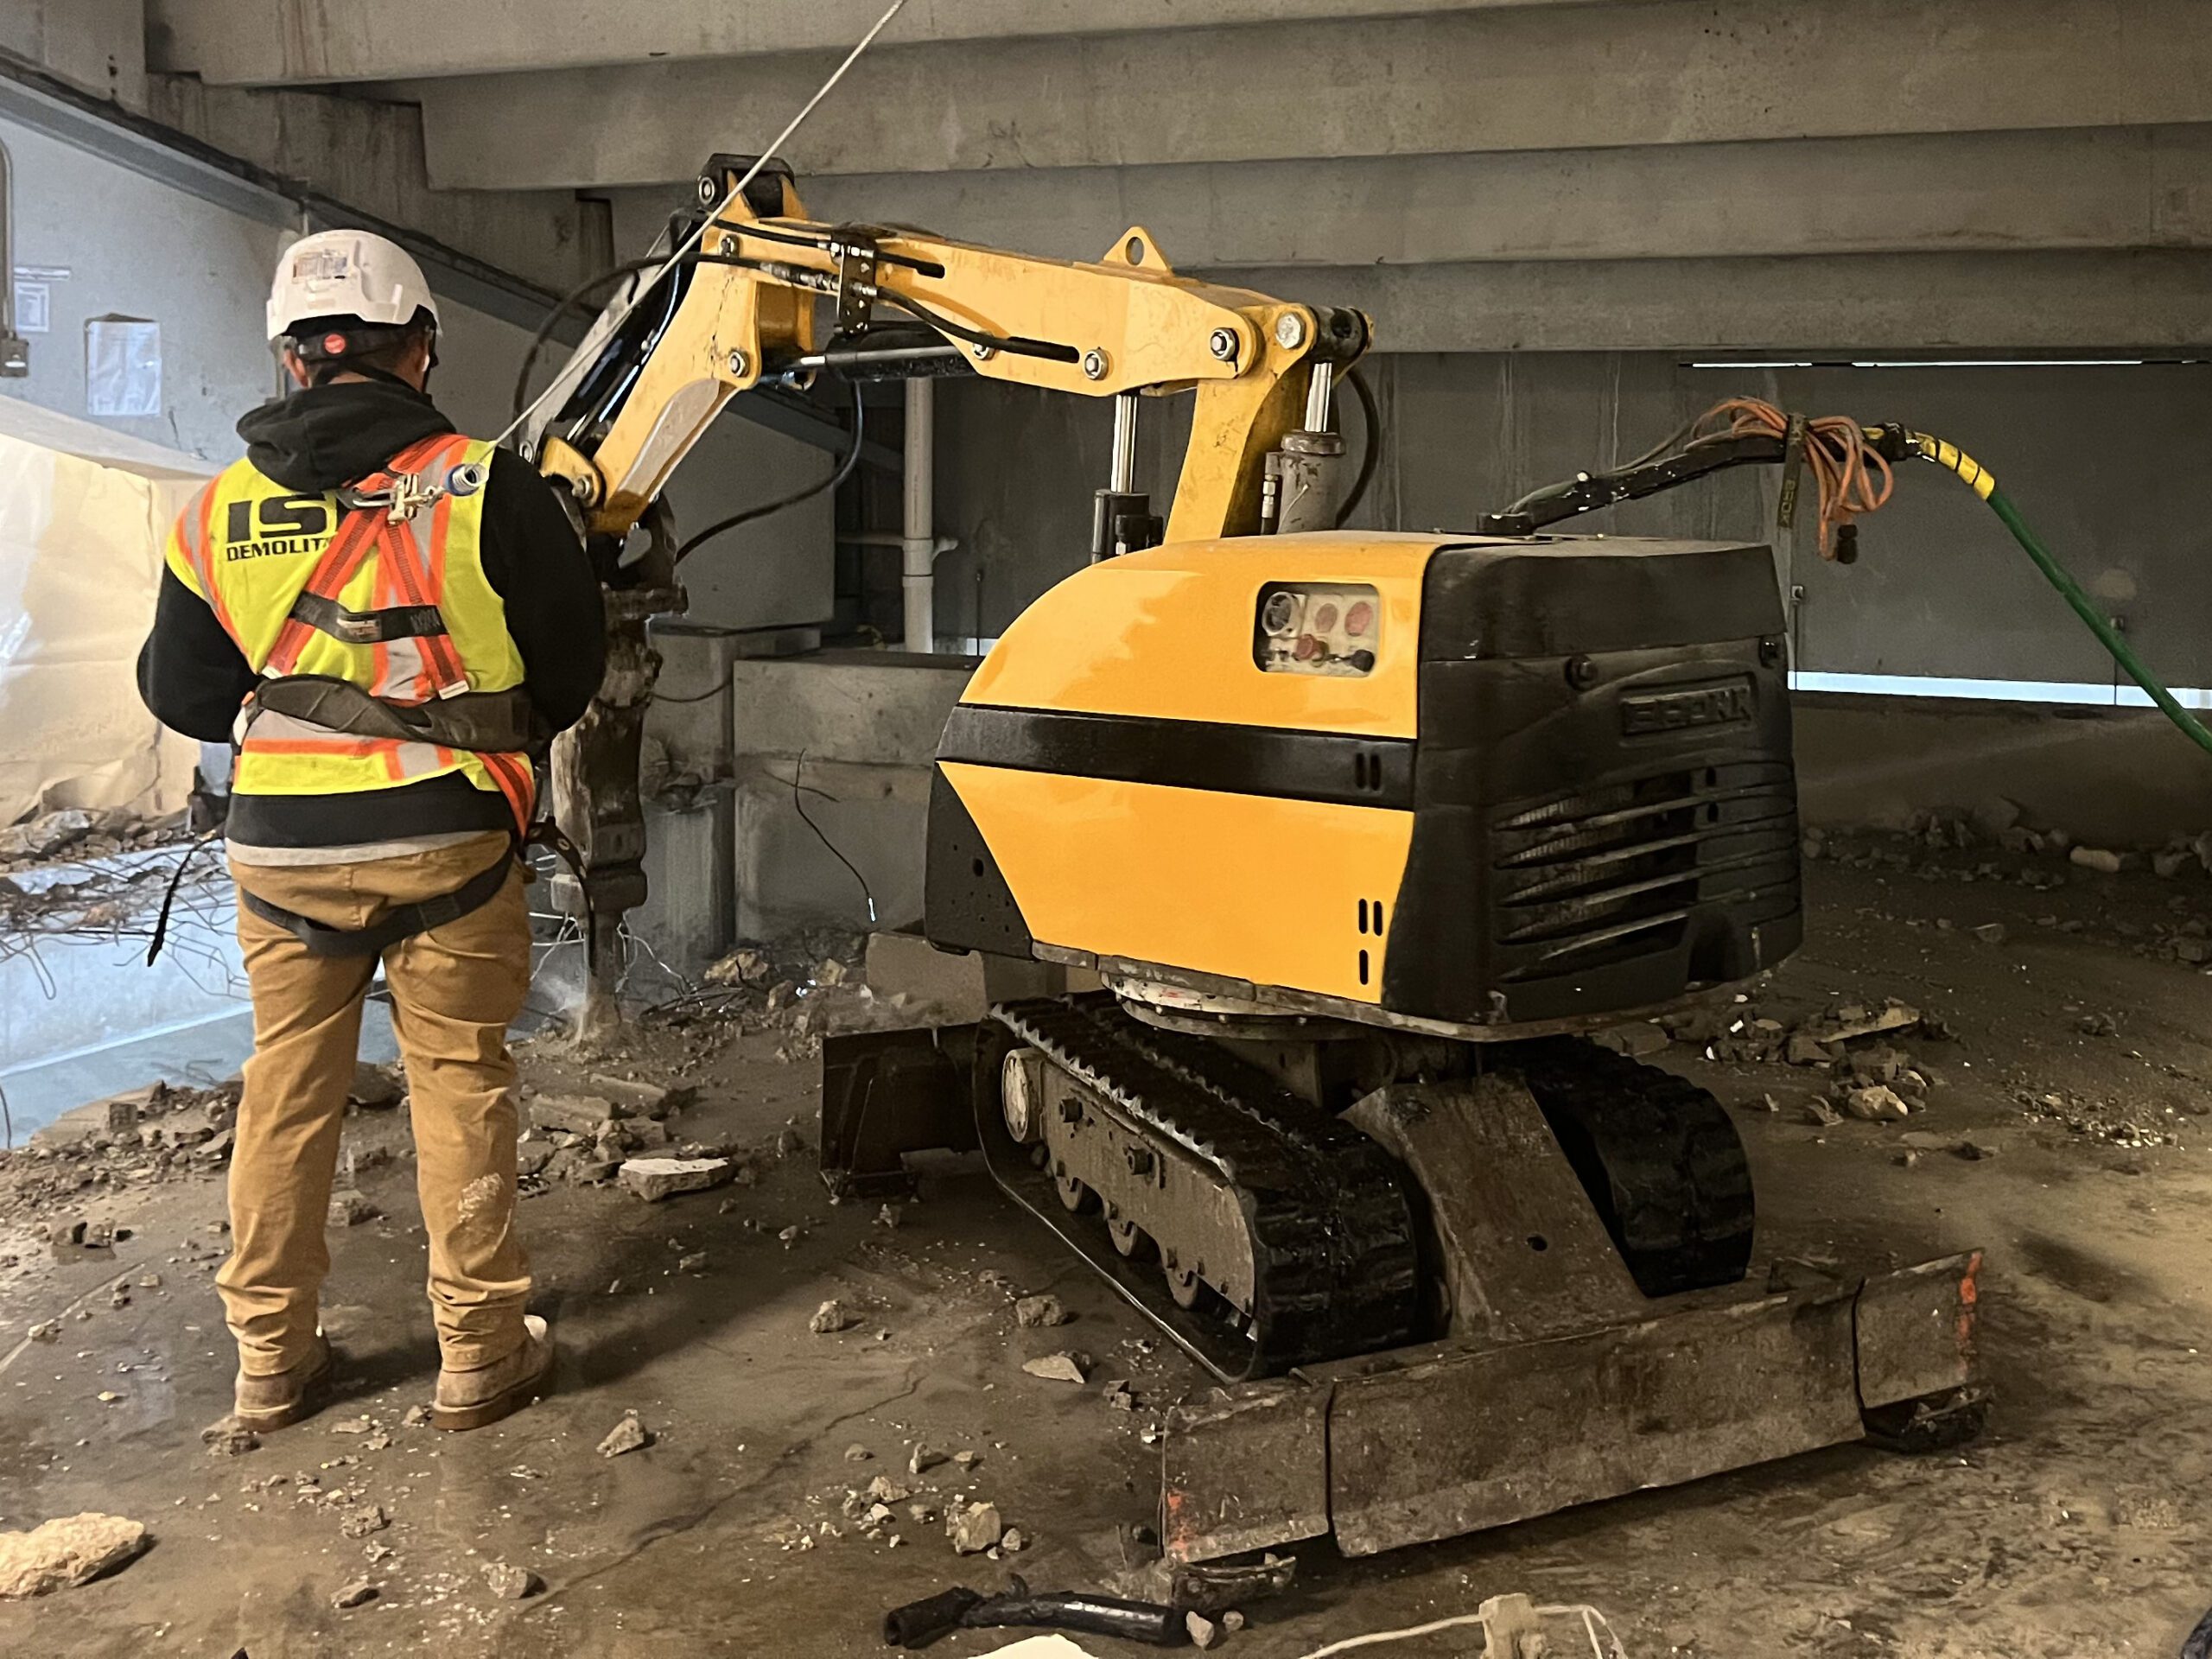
{"type": "Point", "coordinates": [254, 549]}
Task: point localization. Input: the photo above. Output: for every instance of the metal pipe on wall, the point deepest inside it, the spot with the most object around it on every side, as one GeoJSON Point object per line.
{"type": "Point", "coordinates": [918, 541]}
{"type": "Point", "coordinates": [15, 351]}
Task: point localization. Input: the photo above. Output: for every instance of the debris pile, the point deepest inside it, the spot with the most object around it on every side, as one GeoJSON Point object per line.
{"type": "Point", "coordinates": [156, 1134]}
{"type": "Point", "coordinates": [2110, 1124]}
{"type": "Point", "coordinates": [801, 990]}
{"type": "Point", "coordinates": [80, 835]}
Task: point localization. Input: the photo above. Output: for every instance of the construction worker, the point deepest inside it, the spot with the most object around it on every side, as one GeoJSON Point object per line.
{"type": "Point", "coordinates": [389, 620]}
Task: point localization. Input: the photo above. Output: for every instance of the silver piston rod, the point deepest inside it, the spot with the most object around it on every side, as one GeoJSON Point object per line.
{"type": "Point", "coordinates": [1298, 492]}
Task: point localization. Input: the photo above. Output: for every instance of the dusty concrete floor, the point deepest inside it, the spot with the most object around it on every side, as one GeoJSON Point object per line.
{"type": "Point", "coordinates": [2075, 1527]}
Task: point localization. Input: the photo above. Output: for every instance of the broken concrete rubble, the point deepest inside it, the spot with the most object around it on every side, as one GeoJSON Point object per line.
{"type": "Point", "coordinates": [65, 1552]}
{"type": "Point", "coordinates": [1850, 1020]}
{"type": "Point", "coordinates": [45, 835]}
{"type": "Point", "coordinates": [628, 1435]}
{"type": "Point", "coordinates": [749, 966]}
{"type": "Point", "coordinates": [634, 1098]}
{"type": "Point", "coordinates": [228, 1438]}
{"type": "Point", "coordinates": [1875, 1103]}
{"type": "Point", "coordinates": [585, 1115]}
{"type": "Point", "coordinates": [654, 1179]}
{"type": "Point", "coordinates": [974, 1527]}
{"type": "Point", "coordinates": [511, 1583]}
{"type": "Point", "coordinates": [830, 1318]}
{"type": "Point", "coordinates": [1062, 1367]}
{"type": "Point", "coordinates": [350, 1209]}
{"type": "Point", "coordinates": [357, 1593]}
{"type": "Point", "coordinates": [375, 1086]}
{"type": "Point", "coordinates": [1045, 1310]}
{"type": "Point", "coordinates": [360, 1522]}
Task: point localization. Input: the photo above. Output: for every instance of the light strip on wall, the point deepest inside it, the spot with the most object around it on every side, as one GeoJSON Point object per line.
{"type": "Point", "coordinates": [1959, 363]}
{"type": "Point", "coordinates": [2080, 693]}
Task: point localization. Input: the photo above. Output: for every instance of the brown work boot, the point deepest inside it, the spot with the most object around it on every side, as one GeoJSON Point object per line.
{"type": "Point", "coordinates": [472, 1399]}
{"type": "Point", "coordinates": [281, 1398]}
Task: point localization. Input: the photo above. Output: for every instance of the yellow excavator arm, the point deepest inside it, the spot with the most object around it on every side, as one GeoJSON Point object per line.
{"type": "Point", "coordinates": [1125, 325]}
{"type": "Point", "coordinates": [739, 303]}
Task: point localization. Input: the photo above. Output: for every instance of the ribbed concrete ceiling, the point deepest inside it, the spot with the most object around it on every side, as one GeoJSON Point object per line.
{"type": "Point", "coordinates": [2015, 172]}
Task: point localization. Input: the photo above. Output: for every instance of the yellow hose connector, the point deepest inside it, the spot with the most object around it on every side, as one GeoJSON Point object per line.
{"type": "Point", "coordinates": [1950, 456]}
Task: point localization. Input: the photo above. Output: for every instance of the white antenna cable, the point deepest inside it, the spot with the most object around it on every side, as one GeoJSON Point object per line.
{"type": "Point", "coordinates": [684, 248]}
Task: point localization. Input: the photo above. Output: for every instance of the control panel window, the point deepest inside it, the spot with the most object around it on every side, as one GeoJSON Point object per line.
{"type": "Point", "coordinates": [1318, 628]}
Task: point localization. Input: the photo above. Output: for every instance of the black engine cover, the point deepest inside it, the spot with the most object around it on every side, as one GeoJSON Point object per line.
{"type": "Point", "coordinates": [1605, 810]}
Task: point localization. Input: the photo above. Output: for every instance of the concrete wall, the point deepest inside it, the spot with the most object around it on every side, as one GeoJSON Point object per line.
{"type": "Point", "coordinates": [2101, 459]}
{"type": "Point", "coordinates": [844, 739]}
{"type": "Point", "coordinates": [2117, 779]}
{"type": "Point", "coordinates": [135, 247]}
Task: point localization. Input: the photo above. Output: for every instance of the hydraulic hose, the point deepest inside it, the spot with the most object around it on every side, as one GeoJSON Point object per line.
{"type": "Point", "coordinates": [1979, 479]}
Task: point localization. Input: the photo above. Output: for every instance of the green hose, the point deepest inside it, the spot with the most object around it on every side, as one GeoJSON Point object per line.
{"type": "Point", "coordinates": [1953, 460]}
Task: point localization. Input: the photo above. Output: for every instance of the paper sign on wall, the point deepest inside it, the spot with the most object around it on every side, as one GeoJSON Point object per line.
{"type": "Point", "coordinates": [123, 368]}
{"type": "Point", "coordinates": [35, 296]}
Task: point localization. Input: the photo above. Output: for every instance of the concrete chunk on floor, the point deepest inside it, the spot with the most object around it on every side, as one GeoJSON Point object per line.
{"type": "Point", "coordinates": [654, 1179]}
{"type": "Point", "coordinates": [584, 1115]}
{"type": "Point", "coordinates": [66, 1552]}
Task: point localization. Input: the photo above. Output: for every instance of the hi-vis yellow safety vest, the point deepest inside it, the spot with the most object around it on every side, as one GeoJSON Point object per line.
{"type": "Point", "coordinates": [396, 606]}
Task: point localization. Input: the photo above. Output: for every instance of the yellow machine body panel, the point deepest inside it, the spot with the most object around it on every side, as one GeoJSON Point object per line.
{"type": "Point", "coordinates": [1473, 781]}
{"type": "Point", "coordinates": [1206, 821]}
{"type": "Point", "coordinates": [1166, 634]}
{"type": "Point", "coordinates": [1217, 864]}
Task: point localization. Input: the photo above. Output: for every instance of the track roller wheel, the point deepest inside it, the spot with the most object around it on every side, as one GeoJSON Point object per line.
{"type": "Point", "coordinates": [1129, 1238]}
{"type": "Point", "coordinates": [1183, 1283]}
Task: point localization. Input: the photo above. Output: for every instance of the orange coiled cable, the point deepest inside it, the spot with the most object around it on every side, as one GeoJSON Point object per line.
{"type": "Point", "coordinates": [1852, 477]}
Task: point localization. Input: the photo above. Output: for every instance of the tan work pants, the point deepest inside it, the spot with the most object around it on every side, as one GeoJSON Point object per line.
{"type": "Point", "coordinates": [453, 989]}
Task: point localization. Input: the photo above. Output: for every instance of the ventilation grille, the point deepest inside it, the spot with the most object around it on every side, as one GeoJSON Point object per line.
{"type": "Point", "coordinates": [1606, 875]}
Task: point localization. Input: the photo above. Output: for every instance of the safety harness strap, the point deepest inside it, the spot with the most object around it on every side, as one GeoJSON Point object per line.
{"type": "Point", "coordinates": [404, 923]}
{"type": "Point", "coordinates": [377, 523]}
{"type": "Point", "coordinates": [368, 628]}
{"type": "Point", "coordinates": [486, 723]}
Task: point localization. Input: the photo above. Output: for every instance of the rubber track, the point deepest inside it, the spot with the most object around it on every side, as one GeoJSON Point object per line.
{"type": "Point", "coordinates": [1331, 1223]}
{"type": "Point", "coordinates": [1658, 1155]}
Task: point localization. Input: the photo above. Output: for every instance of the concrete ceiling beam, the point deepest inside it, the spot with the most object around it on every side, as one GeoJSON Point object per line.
{"type": "Point", "coordinates": [1607, 76]}
{"type": "Point", "coordinates": [275, 42]}
{"type": "Point", "coordinates": [2109, 188]}
{"type": "Point", "coordinates": [1852, 306]}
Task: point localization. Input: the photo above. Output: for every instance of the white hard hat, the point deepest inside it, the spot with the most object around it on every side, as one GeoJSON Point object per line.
{"type": "Point", "coordinates": [346, 274]}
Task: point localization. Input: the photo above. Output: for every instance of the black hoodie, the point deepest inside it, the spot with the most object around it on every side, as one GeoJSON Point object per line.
{"type": "Point", "coordinates": [193, 678]}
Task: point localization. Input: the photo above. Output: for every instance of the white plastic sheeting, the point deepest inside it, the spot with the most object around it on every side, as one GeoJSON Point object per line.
{"type": "Point", "coordinates": [84, 513]}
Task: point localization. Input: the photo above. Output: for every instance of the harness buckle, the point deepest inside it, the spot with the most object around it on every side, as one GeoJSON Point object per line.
{"type": "Point", "coordinates": [411, 493]}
